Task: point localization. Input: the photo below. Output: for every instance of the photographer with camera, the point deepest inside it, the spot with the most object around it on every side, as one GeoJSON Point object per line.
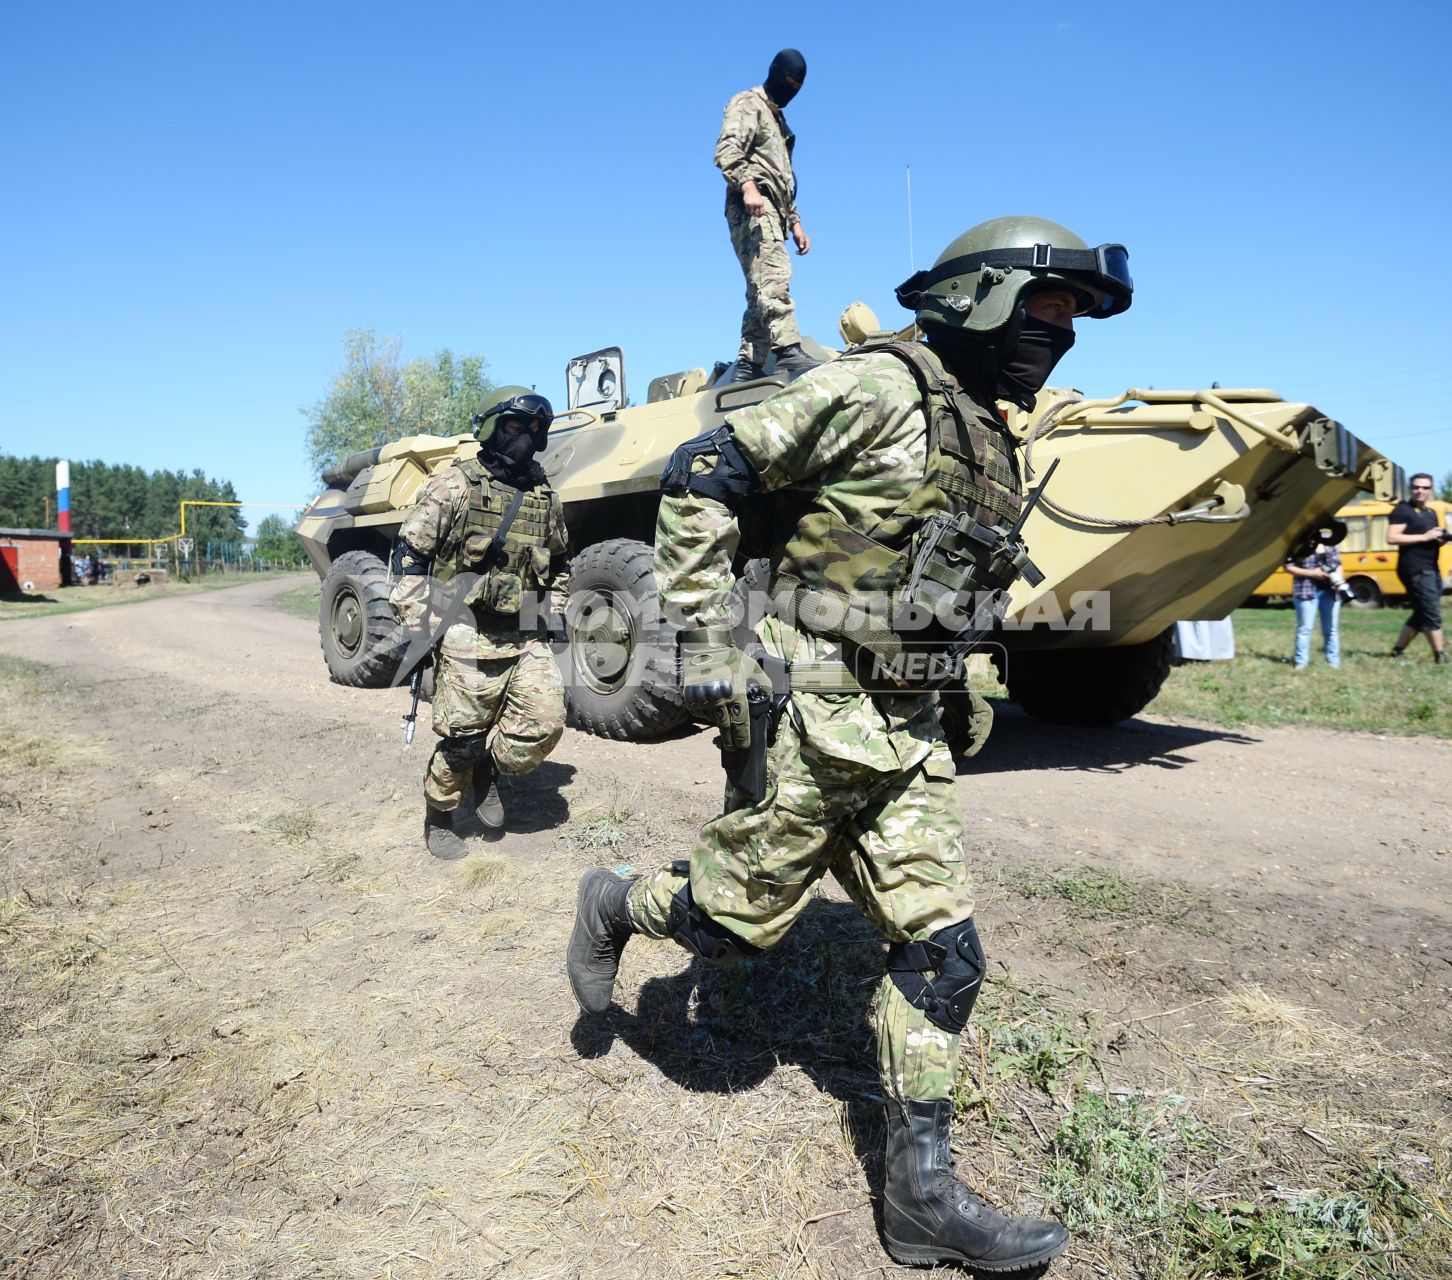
{"type": "Point", "coordinates": [1318, 587]}
{"type": "Point", "coordinates": [1414, 530]}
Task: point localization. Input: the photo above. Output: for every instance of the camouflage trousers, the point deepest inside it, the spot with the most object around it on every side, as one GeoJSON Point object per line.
{"type": "Point", "coordinates": [770, 319]}
{"type": "Point", "coordinates": [510, 709]}
{"type": "Point", "coordinates": [893, 841]}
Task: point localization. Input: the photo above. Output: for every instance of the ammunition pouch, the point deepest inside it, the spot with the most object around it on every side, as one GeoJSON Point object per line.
{"type": "Point", "coordinates": [933, 577]}
{"type": "Point", "coordinates": [943, 594]}
{"type": "Point", "coordinates": [505, 542]}
{"type": "Point", "coordinates": [957, 589]}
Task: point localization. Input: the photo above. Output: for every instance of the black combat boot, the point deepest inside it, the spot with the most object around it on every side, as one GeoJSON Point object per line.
{"type": "Point", "coordinates": [929, 1217]}
{"type": "Point", "coordinates": [488, 806]}
{"type": "Point", "coordinates": [792, 361]}
{"type": "Point", "coordinates": [602, 928]}
{"type": "Point", "coordinates": [439, 834]}
{"type": "Point", "coordinates": [746, 371]}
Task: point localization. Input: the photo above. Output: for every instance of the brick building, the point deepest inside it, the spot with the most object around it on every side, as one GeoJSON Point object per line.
{"type": "Point", "coordinates": [36, 559]}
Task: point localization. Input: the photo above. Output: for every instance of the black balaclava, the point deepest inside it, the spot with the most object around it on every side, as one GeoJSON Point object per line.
{"type": "Point", "coordinates": [787, 63]}
{"type": "Point", "coordinates": [1011, 363]}
{"type": "Point", "coordinates": [1023, 370]}
{"type": "Point", "coordinates": [508, 457]}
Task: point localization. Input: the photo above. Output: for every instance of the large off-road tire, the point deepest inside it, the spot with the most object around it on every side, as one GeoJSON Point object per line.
{"type": "Point", "coordinates": [1087, 686]}
{"type": "Point", "coordinates": [357, 629]}
{"type": "Point", "coordinates": [620, 678]}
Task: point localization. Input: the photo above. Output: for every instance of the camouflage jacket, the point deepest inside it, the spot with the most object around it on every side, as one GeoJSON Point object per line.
{"type": "Point", "coordinates": [756, 143]}
{"type": "Point", "coordinates": [432, 534]}
{"type": "Point", "coordinates": [853, 434]}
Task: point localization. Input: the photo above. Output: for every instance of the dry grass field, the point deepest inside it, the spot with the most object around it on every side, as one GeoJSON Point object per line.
{"type": "Point", "coordinates": [249, 1029]}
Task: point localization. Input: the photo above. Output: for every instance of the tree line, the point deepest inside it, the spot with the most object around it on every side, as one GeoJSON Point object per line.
{"type": "Point", "coordinates": [117, 501]}
{"type": "Point", "coordinates": [376, 398]}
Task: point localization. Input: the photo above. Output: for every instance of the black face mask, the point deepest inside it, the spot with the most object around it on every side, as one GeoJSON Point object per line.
{"type": "Point", "coordinates": [1027, 365]}
{"type": "Point", "coordinates": [788, 65]}
{"type": "Point", "coordinates": [508, 455]}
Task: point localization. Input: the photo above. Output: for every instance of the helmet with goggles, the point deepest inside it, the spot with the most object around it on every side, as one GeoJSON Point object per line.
{"type": "Point", "coordinates": [515, 402]}
{"type": "Point", "coordinates": [979, 280]}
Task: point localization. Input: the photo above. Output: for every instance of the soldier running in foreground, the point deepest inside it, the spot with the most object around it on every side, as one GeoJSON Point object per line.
{"type": "Point", "coordinates": [754, 154]}
{"type": "Point", "coordinates": [883, 473]}
{"type": "Point", "coordinates": [492, 525]}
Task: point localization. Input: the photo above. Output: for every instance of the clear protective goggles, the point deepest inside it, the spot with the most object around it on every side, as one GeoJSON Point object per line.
{"type": "Point", "coordinates": [1105, 269]}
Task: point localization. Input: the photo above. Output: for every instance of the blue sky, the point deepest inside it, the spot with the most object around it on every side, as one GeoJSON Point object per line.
{"type": "Point", "coordinates": [199, 199]}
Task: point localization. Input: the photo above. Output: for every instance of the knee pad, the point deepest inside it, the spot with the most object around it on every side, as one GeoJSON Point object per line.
{"type": "Point", "coordinates": [462, 752]}
{"type": "Point", "coordinates": [702, 936]}
{"type": "Point", "coordinates": [955, 957]}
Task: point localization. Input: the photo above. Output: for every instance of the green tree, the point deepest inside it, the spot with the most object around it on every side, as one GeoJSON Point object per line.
{"type": "Point", "coordinates": [276, 541]}
{"type": "Point", "coordinates": [116, 500]}
{"type": "Point", "coordinates": [211, 524]}
{"type": "Point", "coordinates": [375, 398]}
{"type": "Point", "coordinates": [1444, 490]}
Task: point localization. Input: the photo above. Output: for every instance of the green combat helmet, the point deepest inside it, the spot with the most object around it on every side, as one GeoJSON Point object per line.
{"type": "Point", "coordinates": [515, 402]}
{"type": "Point", "coordinates": [978, 280]}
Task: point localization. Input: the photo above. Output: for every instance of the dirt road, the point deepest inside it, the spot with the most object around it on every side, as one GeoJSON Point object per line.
{"type": "Point", "coordinates": [270, 1036]}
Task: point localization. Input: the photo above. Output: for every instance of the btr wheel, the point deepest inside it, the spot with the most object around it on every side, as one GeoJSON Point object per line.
{"type": "Point", "coordinates": [1087, 686]}
{"type": "Point", "coordinates": [358, 632]}
{"type": "Point", "coordinates": [620, 678]}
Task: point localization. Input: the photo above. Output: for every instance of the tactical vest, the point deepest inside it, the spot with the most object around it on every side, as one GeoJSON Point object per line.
{"type": "Point", "coordinates": [934, 573]}
{"type": "Point", "coordinates": [521, 562]}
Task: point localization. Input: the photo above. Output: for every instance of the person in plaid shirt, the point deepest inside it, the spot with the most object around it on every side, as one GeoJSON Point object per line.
{"type": "Point", "coordinates": [1314, 589]}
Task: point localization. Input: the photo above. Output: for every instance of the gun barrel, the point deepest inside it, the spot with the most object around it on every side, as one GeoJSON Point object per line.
{"type": "Point", "coordinates": [415, 684]}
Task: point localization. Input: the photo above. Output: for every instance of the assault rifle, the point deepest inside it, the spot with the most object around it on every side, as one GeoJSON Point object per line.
{"type": "Point", "coordinates": [415, 685]}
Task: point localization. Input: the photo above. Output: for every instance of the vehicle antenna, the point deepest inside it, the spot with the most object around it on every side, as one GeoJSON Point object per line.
{"type": "Point", "coordinates": [912, 261]}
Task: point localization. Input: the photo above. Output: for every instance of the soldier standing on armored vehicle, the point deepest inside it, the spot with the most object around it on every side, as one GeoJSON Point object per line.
{"type": "Point", "coordinates": [855, 462]}
{"type": "Point", "coordinates": [494, 527]}
{"type": "Point", "coordinates": [754, 154]}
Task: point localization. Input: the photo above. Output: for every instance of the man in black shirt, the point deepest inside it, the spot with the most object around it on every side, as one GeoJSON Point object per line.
{"type": "Point", "coordinates": [1413, 529]}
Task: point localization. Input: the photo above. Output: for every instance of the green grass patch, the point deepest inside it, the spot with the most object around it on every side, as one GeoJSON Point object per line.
{"type": "Point", "coordinates": [43, 604]}
{"type": "Point", "coordinates": [1110, 1158]}
{"type": "Point", "coordinates": [1122, 1168]}
{"type": "Point", "coordinates": [301, 602]}
{"type": "Point", "coordinates": [1369, 692]}
{"type": "Point", "coordinates": [293, 826]}
{"type": "Point", "coordinates": [1020, 1038]}
{"type": "Point", "coordinates": [1100, 892]}
{"type": "Point", "coordinates": [609, 833]}
{"type": "Point", "coordinates": [1306, 1234]}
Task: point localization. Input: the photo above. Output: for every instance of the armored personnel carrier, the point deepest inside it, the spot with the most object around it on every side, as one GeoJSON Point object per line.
{"type": "Point", "coordinates": [1169, 505]}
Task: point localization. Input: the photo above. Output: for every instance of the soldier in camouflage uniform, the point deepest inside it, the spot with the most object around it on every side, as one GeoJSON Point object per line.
{"type": "Point", "coordinates": [491, 528]}
{"type": "Point", "coordinates": [853, 462]}
{"type": "Point", "coordinates": [754, 154]}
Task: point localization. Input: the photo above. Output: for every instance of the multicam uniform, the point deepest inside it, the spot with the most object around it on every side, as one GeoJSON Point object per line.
{"type": "Point", "coordinates": [756, 144]}
{"type": "Point", "coordinates": [497, 690]}
{"type": "Point", "coordinates": [860, 784]}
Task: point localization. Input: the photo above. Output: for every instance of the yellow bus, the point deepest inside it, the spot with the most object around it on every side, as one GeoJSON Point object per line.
{"type": "Point", "coordinates": [1368, 560]}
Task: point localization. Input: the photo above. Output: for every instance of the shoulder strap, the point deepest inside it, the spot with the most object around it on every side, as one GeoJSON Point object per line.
{"type": "Point", "coordinates": [503, 531]}
{"type": "Point", "coordinates": [939, 394]}
{"type": "Point", "coordinates": [473, 469]}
